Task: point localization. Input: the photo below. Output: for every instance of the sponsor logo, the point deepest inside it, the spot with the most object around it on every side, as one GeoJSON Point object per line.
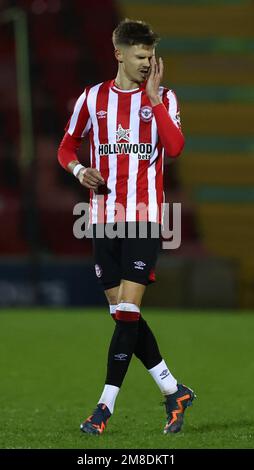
{"type": "Point", "coordinates": [143, 151]}
{"type": "Point", "coordinates": [120, 357]}
{"type": "Point", "coordinates": [122, 134]}
{"type": "Point", "coordinates": [139, 265]}
{"type": "Point", "coordinates": [146, 113]}
{"type": "Point", "coordinates": [164, 374]}
{"type": "Point", "coordinates": [98, 270]}
{"type": "Point", "coordinates": [143, 157]}
{"type": "Point", "coordinates": [101, 114]}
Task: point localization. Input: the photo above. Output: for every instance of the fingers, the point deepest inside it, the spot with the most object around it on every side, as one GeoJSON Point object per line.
{"type": "Point", "coordinates": [156, 69]}
{"type": "Point", "coordinates": [161, 68]}
{"type": "Point", "coordinates": [93, 176]}
{"type": "Point", "coordinates": [155, 76]}
{"type": "Point", "coordinates": [94, 187]}
{"type": "Point", "coordinates": [89, 184]}
{"type": "Point", "coordinates": [153, 66]}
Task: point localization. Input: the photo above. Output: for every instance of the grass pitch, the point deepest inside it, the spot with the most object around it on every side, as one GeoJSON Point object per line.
{"type": "Point", "coordinates": [53, 365]}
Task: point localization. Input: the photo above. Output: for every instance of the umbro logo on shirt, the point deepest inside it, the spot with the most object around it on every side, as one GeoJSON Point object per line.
{"type": "Point", "coordinates": [101, 114]}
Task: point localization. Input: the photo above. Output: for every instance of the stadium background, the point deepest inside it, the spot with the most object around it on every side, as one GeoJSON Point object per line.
{"type": "Point", "coordinates": [208, 52]}
{"type": "Point", "coordinates": [207, 48]}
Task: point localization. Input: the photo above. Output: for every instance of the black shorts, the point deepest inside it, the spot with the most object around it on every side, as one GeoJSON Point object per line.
{"type": "Point", "coordinates": [123, 257]}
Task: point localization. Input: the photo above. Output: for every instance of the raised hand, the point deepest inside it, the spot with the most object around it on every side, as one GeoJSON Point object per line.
{"type": "Point", "coordinates": [154, 80]}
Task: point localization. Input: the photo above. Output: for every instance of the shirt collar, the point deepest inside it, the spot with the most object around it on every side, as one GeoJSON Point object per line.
{"type": "Point", "coordinates": [116, 89]}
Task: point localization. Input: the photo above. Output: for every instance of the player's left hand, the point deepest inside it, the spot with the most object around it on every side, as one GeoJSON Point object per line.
{"type": "Point", "coordinates": [154, 80]}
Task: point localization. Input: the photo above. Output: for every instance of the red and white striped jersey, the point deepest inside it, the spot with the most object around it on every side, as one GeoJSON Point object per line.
{"type": "Point", "coordinates": [126, 148]}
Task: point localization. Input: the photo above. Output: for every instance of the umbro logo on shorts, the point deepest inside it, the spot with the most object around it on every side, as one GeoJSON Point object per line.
{"type": "Point", "coordinates": [139, 265]}
{"type": "Point", "coordinates": [98, 270]}
{"type": "Point", "coordinates": [120, 357]}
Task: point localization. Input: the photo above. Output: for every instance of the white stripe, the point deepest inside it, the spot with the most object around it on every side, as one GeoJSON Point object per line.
{"type": "Point", "coordinates": [133, 159]}
{"type": "Point", "coordinates": [152, 197]}
{"type": "Point", "coordinates": [87, 128]}
{"type": "Point", "coordinates": [91, 204]}
{"type": "Point", "coordinates": [77, 108]}
{"type": "Point", "coordinates": [163, 200]}
{"type": "Point", "coordinates": [91, 104]}
{"type": "Point", "coordinates": [172, 107]}
{"type": "Point", "coordinates": [111, 122]}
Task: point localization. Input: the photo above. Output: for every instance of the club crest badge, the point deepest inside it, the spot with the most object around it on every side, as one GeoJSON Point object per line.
{"type": "Point", "coordinates": [146, 113]}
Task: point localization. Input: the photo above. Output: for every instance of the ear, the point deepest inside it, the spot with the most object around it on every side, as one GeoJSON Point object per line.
{"type": "Point", "coordinates": [119, 56]}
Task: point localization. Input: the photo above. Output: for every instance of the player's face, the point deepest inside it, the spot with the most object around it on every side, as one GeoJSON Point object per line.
{"type": "Point", "coordinates": [136, 62]}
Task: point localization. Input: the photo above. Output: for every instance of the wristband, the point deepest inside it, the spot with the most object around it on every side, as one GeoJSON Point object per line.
{"type": "Point", "coordinates": [77, 168]}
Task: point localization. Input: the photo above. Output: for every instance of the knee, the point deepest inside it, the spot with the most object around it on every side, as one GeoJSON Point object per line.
{"type": "Point", "coordinates": [112, 299]}
{"type": "Point", "coordinates": [112, 295]}
{"type": "Point", "coordinates": [131, 292]}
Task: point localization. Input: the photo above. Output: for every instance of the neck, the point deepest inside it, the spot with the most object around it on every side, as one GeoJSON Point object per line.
{"type": "Point", "coordinates": [124, 83]}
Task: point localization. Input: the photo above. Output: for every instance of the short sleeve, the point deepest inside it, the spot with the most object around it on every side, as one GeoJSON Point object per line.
{"type": "Point", "coordinates": [80, 121]}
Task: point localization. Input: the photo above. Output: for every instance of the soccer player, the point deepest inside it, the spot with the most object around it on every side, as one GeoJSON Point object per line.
{"type": "Point", "coordinates": [131, 121]}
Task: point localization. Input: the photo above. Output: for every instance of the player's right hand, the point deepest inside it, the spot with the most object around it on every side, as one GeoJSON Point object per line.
{"type": "Point", "coordinates": [90, 178]}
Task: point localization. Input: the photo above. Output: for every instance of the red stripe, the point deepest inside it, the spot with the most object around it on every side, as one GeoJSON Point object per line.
{"type": "Point", "coordinates": [93, 165]}
{"type": "Point", "coordinates": [127, 316]}
{"type": "Point", "coordinates": [159, 182]}
{"type": "Point", "coordinates": [145, 136]}
{"type": "Point", "coordinates": [123, 118]}
{"type": "Point", "coordinates": [159, 169]}
{"type": "Point", "coordinates": [102, 105]}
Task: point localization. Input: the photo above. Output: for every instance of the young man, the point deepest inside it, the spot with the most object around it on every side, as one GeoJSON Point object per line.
{"type": "Point", "coordinates": [131, 121]}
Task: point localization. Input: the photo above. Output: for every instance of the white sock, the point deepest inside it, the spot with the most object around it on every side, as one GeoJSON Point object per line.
{"type": "Point", "coordinates": [108, 396]}
{"type": "Point", "coordinates": [127, 307]}
{"type": "Point", "coordinates": [164, 379]}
